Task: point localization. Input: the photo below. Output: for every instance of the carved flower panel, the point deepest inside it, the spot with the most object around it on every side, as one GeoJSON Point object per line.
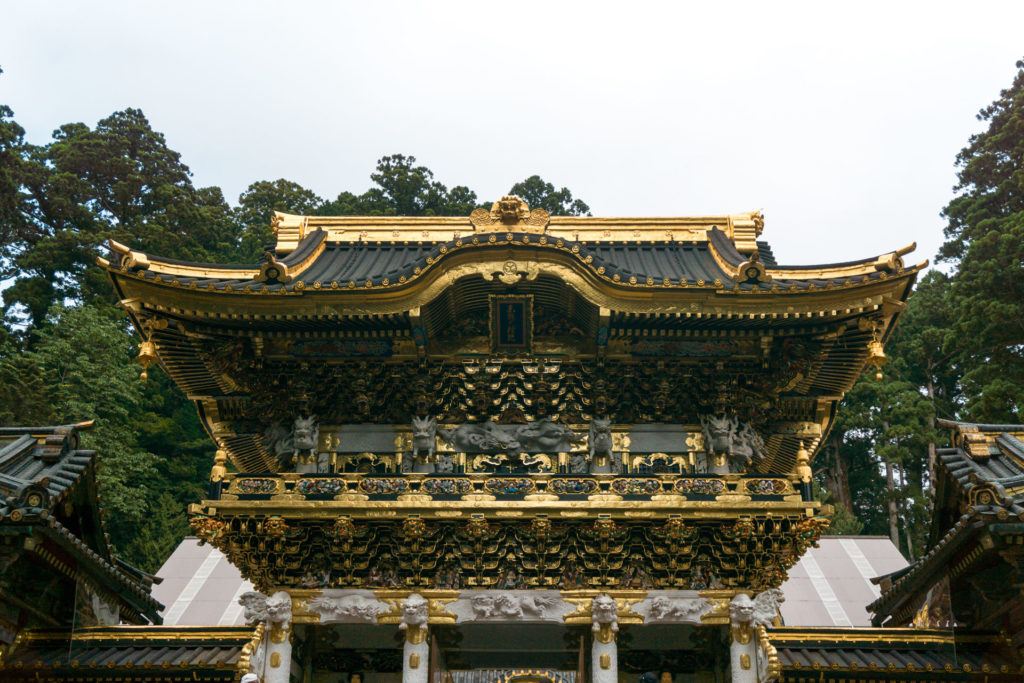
{"type": "Point", "coordinates": [767, 487]}
{"type": "Point", "coordinates": [255, 486]}
{"type": "Point", "coordinates": [509, 486]}
{"type": "Point", "coordinates": [320, 487]}
{"type": "Point", "coordinates": [704, 487]}
{"type": "Point", "coordinates": [383, 485]}
{"type": "Point", "coordinates": [636, 487]}
{"type": "Point", "coordinates": [446, 487]}
{"type": "Point", "coordinates": [572, 486]}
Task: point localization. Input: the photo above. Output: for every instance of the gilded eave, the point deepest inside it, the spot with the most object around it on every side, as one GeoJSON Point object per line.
{"type": "Point", "coordinates": [771, 299]}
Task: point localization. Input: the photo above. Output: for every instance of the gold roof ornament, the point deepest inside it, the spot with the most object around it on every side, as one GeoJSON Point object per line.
{"type": "Point", "coordinates": [511, 211]}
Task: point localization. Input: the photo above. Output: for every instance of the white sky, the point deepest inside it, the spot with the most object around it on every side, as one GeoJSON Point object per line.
{"type": "Point", "coordinates": [842, 124]}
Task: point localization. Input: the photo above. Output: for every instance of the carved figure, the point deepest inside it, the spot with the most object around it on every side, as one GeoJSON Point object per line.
{"type": "Point", "coordinates": [600, 437]}
{"type": "Point", "coordinates": [414, 618]}
{"type": "Point", "coordinates": [445, 463]}
{"type": "Point", "coordinates": [748, 448]}
{"type": "Point", "coordinates": [349, 607]}
{"type": "Point", "coordinates": [305, 435]}
{"type": "Point", "coordinates": [276, 609]}
{"type": "Point", "coordinates": [545, 436]}
{"type": "Point", "coordinates": [677, 609]}
{"type": "Point", "coordinates": [723, 436]}
{"type": "Point", "coordinates": [278, 440]}
{"type": "Point", "coordinates": [605, 618]}
{"type": "Point", "coordinates": [423, 432]}
{"type": "Point", "coordinates": [511, 606]}
{"type": "Point", "coordinates": [760, 610]}
{"type": "Point", "coordinates": [541, 436]}
{"type": "Point", "coordinates": [719, 432]}
{"type": "Point", "coordinates": [579, 463]}
{"type": "Point", "coordinates": [540, 461]}
{"type": "Point", "coordinates": [485, 437]}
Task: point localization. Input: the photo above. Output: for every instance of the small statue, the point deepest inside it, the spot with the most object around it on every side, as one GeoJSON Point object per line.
{"type": "Point", "coordinates": [509, 580]}
{"type": "Point", "coordinates": [579, 463]}
{"type": "Point", "coordinates": [424, 430]}
{"type": "Point", "coordinates": [375, 578]}
{"type": "Point", "coordinates": [305, 435]}
{"type": "Point", "coordinates": [445, 463]}
{"type": "Point", "coordinates": [719, 432]}
{"type": "Point", "coordinates": [570, 576]}
{"type": "Point", "coordinates": [600, 437]}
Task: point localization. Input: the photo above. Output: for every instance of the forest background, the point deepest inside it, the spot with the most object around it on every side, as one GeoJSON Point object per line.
{"type": "Point", "coordinates": [67, 353]}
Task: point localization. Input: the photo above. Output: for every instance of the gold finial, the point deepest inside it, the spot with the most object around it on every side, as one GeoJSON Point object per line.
{"type": "Point", "coordinates": [803, 464]}
{"type": "Point", "coordinates": [219, 470]}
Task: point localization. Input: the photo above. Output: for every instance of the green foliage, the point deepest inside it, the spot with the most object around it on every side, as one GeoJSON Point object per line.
{"type": "Point", "coordinates": [120, 181]}
{"type": "Point", "coordinates": [985, 240]}
{"type": "Point", "coordinates": [400, 188]}
{"type": "Point", "coordinates": [540, 194]}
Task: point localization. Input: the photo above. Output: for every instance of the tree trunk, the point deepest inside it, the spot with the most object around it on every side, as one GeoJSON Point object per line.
{"type": "Point", "coordinates": [931, 442]}
{"type": "Point", "coordinates": [904, 506]}
{"type": "Point", "coordinates": [836, 475]}
{"type": "Point", "coordinates": [890, 483]}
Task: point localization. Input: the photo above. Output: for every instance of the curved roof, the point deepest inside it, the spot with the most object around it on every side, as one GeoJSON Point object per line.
{"type": "Point", "coordinates": [318, 263]}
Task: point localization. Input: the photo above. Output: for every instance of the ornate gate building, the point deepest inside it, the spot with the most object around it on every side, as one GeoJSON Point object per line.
{"type": "Point", "coordinates": [516, 446]}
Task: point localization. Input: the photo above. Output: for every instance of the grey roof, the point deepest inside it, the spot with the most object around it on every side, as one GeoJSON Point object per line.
{"type": "Point", "coordinates": [892, 654]}
{"type": "Point", "coordinates": [45, 458]}
{"type": "Point", "coordinates": [829, 587]}
{"type": "Point", "coordinates": [148, 652]}
{"type": "Point", "coordinates": [691, 262]}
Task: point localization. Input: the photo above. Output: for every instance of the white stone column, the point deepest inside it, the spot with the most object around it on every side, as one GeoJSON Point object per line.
{"type": "Point", "coordinates": [605, 651]}
{"type": "Point", "coordinates": [746, 614]}
{"type": "Point", "coordinates": [274, 662]}
{"type": "Point", "coordinates": [416, 651]}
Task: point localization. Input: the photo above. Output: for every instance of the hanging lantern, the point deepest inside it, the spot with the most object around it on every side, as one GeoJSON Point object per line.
{"type": "Point", "coordinates": [146, 357]}
{"type": "Point", "coordinates": [876, 357]}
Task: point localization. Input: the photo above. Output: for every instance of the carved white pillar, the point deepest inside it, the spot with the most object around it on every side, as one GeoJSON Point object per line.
{"type": "Point", "coordinates": [416, 651]}
{"type": "Point", "coordinates": [274, 662]}
{"type": "Point", "coordinates": [605, 651]}
{"type": "Point", "coordinates": [746, 614]}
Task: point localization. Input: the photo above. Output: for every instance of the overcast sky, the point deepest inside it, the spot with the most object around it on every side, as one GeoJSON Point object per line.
{"type": "Point", "coordinates": [842, 125]}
